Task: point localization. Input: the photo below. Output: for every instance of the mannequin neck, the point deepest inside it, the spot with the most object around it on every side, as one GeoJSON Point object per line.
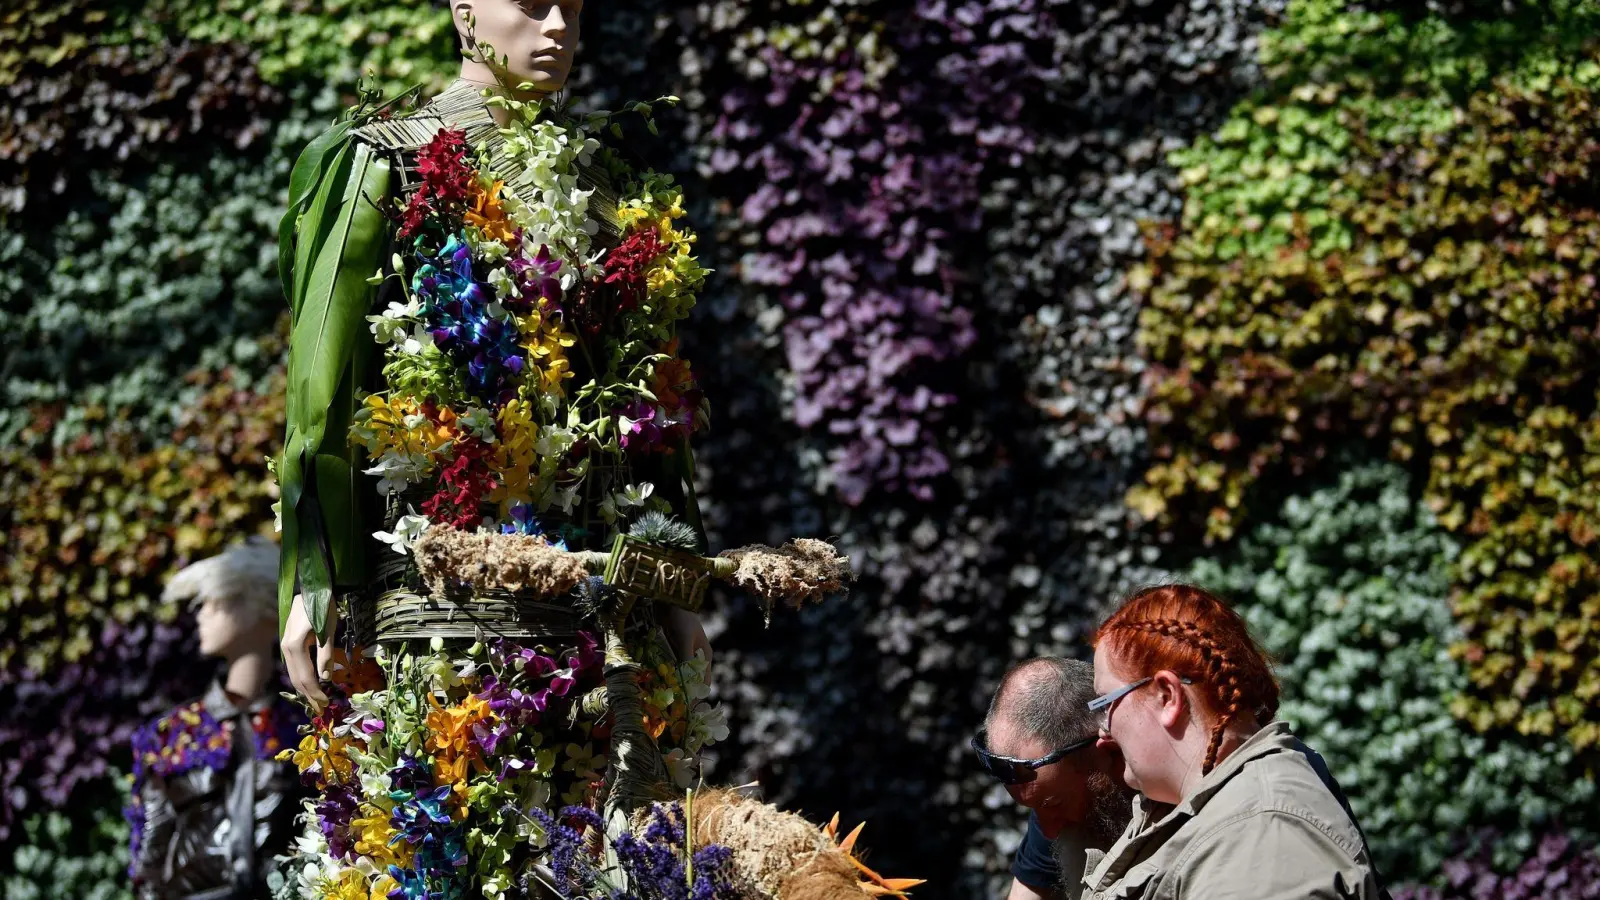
{"type": "Point", "coordinates": [248, 674]}
{"type": "Point", "coordinates": [482, 77]}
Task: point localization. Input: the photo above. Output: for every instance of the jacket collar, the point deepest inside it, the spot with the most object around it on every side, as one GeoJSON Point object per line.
{"type": "Point", "coordinates": [1273, 737]}
{"type": "Point", "coordinates": [216, 702]}
{"type": "Point", "coordinates": [1153, 821]}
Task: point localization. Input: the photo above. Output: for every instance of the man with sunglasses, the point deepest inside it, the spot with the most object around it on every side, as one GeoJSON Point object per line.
{"type": "Point", "coordinates": [1039, 740]}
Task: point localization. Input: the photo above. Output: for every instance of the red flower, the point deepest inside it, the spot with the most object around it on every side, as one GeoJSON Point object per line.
{"type": "Point", "coordinates": [446, 181]}
{"type": "Point", "coordinates": [626, 265]}
{"type": "Point", "coordinates": [462, 486]}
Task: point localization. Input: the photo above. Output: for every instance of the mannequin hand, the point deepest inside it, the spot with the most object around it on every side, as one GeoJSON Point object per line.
{"type": "Point", "coordinates": [306, 676]}
{"type": "Point", "coordinates": [684, 633]}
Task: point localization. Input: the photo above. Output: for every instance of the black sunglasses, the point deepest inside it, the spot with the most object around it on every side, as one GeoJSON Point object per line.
{"type": "Point", "coordinates": [1022, 771]}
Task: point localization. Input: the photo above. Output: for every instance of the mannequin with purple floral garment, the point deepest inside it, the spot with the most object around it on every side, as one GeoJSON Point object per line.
{"type": "Point", "coordinates": [211, 806]}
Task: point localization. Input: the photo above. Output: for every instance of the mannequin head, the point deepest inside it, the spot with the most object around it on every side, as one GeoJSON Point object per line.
{"type": "Point", "coordinates": [235, 596]}
{"type": "Point", "coordinates": [535, 38]}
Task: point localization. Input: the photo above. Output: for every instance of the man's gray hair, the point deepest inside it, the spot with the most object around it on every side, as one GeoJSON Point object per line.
{"type": "Point", "coordinates": [1047, 698]}
{"type": "Point", "coordinates": [244, 578]}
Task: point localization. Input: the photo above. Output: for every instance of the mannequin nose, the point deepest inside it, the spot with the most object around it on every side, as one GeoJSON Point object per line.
{"type": "Point", "coordinates": [555, 25]}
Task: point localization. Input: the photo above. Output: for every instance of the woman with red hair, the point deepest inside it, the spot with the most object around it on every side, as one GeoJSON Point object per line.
{"type": "Point", "coordinates": [1231, 804]}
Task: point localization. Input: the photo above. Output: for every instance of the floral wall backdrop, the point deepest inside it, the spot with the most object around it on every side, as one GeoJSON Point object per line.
{"type": "Point", "coordinates": [1028, 302]}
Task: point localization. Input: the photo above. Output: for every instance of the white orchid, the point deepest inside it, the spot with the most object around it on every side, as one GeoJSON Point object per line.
{"type": "Point", "coordinates": [681, 768]}
{"type": "Point", "coordinates": [565, 498]}
{"type": "Point", "coordinates": [608, 509]}
{"type": "Point", "coordinates": [554, 441]}
{"type": "Point", "coordinates": [502, 282]}
{"type": "Point", "coordinates": [635, 495]}
{"type": "Point", "coordinates": [485, 249]}
{"type": "Point", "coordinates": [708, 724]}
{"type": "Point", "coordinates": [421, 339]}
{"type": "Point", "coordinates": [395, 470]}
{"type": "Point", "coordinates": [480, 422]}
{"type": "Point", "coordinates": [692, 675]}
{"type": "Point", "coordinates": [407, 530]}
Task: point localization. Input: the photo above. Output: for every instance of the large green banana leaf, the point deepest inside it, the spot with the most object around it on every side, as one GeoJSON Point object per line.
{"type": "Point", "coordinates": [337, 249]}
{"type": "Point", "coordinates": [309, 174]}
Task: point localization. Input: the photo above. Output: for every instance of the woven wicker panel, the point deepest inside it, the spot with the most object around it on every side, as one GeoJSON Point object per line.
{"type": "Point", "coordinates": [402, 615]}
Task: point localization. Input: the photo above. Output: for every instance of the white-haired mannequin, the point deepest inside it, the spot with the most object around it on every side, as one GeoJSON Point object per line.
{"type": "Point", "coordinates": [236, 613]}
{"type": "Point", "coordinates": [211, 804]}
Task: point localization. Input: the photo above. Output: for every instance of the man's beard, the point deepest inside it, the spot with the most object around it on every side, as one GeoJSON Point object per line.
{"type": "Point", "coordinates": [1110, 810]}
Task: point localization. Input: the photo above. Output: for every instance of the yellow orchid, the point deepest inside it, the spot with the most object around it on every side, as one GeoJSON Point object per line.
{"type": "Point", "coordinates": [398, 423]}
{"type": "Point", "coordinates": [514, 461]}
{"type": "Point", "coordinates": [332, 762]}
{"type": "Point", "coordinates": [375, 838]}
{"type": "Point", "coordinates": [350, 885]}
{"type": "Point", "coordinates": [547, 342]}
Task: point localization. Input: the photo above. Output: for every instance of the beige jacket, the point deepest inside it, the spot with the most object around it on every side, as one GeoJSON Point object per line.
{"type": "Point", "coordinates": [1260, 826]}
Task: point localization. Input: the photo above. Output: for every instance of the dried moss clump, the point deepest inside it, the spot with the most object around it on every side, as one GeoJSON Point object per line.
{"type": "Point", "coordinates": [800, 571]}
{"type": "Point", "coordinates": [507, 562]}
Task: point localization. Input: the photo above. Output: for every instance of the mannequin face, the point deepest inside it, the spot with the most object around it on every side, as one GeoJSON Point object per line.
{"type": "Point", "coordinates": [230, 631]}
{"type": "Point", "coordinates": [536, 38]}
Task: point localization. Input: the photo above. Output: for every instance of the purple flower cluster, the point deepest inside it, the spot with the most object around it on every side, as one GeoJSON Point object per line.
{"type": "Point", "coordinates": [528, 685]}
{"type": "Point", "coordinates": [335, 809]}
{"type": "Point", "coordinates": [1559, 869]}
{"type": "Point", "coordinates": [653, 864]}
{"type": "Point", "coordinates": [457, 308]}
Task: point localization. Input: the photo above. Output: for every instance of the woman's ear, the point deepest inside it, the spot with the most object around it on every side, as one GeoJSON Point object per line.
{"type": "Point", "coordinates": [1167, 690]}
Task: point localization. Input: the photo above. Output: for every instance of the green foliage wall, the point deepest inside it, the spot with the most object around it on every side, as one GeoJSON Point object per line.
{"type": "Point", "coordinates": [1347, 587]}
{"type": "Point", "coordinates": [1415, 269]}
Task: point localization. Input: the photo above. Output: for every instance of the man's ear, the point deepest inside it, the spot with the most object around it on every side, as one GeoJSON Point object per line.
{"type": "Point", "coordinates": [1167, 690]}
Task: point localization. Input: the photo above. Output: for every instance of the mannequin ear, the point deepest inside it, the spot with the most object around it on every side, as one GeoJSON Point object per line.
{"type": "Point", "coordinates": [1167, 690]}
{"type": "Point", "coordinates": [461, 14]}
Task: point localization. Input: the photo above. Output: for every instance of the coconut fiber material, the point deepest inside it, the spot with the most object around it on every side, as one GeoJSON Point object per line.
{"type": "Point", "coordinates": [799, 571]}
{"type": "Point", "coordinates": [507, 562]}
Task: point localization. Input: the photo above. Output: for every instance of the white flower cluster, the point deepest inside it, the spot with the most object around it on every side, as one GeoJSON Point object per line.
{"type": "Point", "coordinates": [557, 214]}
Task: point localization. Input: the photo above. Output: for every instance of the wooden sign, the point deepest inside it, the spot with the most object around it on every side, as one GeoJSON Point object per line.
{"type": "Point", "coordinates": [649, 572]}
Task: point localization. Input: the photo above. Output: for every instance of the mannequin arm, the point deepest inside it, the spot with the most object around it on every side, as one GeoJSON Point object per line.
{"type": "Point", "coordinates": [298, 638]}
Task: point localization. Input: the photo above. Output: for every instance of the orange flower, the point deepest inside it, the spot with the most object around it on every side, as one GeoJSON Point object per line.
{"type": "Point", "coordinates": [488, 215]}
{"type": "Point", "coordinates": [672, 377]}
{"type": "Point", "coordinates": [450, 738]}
{"type": "Point", "coordinates": [356, 673]}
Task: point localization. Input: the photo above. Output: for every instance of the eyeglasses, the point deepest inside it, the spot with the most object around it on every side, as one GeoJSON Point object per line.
{"type": "Point", "coordinates": [1103, 703]}
{"type": "Point", "coordinates": [1021, 771]}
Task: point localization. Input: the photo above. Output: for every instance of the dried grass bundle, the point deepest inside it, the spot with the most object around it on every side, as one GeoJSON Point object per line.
{"type": "Point", "coordinates": [779, 855]}
{"type": "Point", "coordinates": [800, 571]}
{"type": "Point", "coordinates": [506, 562]}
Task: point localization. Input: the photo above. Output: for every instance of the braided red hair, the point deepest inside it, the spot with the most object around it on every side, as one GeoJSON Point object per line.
{"type": "Point", "coordinates": [1194, 634]}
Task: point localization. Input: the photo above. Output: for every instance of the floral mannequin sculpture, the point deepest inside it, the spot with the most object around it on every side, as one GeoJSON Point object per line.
{"type": "Point", "coordinates": [539, 41]}
{"type": "Point", "coordinates": [487, 477]}
{"type": "Point", "coordinates": [211, 806]}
